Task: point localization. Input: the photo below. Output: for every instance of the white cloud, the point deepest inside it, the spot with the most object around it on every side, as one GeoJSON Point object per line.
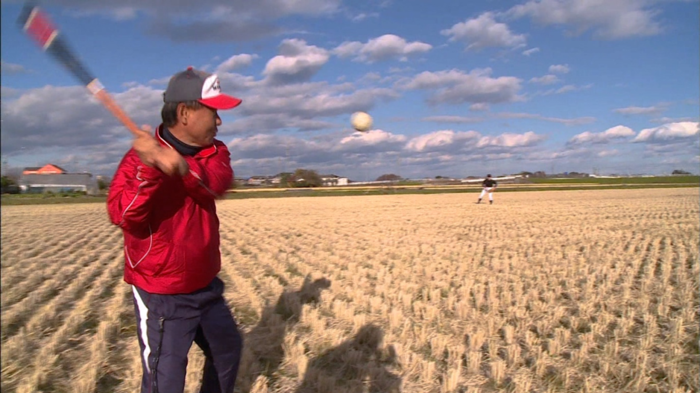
{"type": "Point", "coordinates": [439, 139]}
{"type": "Point", "coordinates": [480, 107]}
{"type": "Point", "coordinates": [371, 77]}
{"type": "Point", "coordinates": [511, 140]}
{"type": "Point", "coordinates": [263, 146]}
{"type": "Point", "coordinates": [568, 122]}
{"type": "Point", "coordinates": [484, 32]}
{"type": "Point", "coordinates": [362, 16]}
{"type": "Point", "coordinates": [327, 153]}
{"type": "Point", "coordinates": [266, 123]}
{"type": "Point", "coordinates": [400, 70]}
{"type": "Point", "coordinates": [559, 69]}
{"type": "Point", "coordinates": [142, 103]}
{"type": "Point", "coordinates": [453, 119]}
{"type": "Point", "coordinates": [296, 101]}
{"type": "Point", "coordinates": [669, 132]}
{"type": "Point", "coordinates": [666, 119]}
{"type": "Point", "coordinates": [439, 152]}
{"type": "Point", "coordinates": [610, 19]}
{"type": "Point", "coordinates": [50, 118]}
{"type": "Point", "coordinates": [569, 155]}
{"type": "Point", "coordinates": [158, 82]}
{"type": "Point", "coordinates": [637, 110]}
{"type": "Point", "coordinates": [608, 153]}
{"type": "Point", "coordinates": [613, 133]}
{"type": "Point", "coordinates": [9, 92]}
{"type": "Point", "coordinates": [545, 80]}
{"type": "Point", "coordinates": [12, 68]}
{"type": "Point", "coordinates": [388, 46]}
{"type": "Point", "coordinates": [530, 51]}
{"type": "Point", "coordinates": [360, 140]}
{"type": "Point", "coordinates": [219, 20]}
{"type": "Point", "coordinates": [566, 89]}
{"type": "Point", "coordinates": [310, 100]}
{"type": "Point", "coordinates": [378, 149]}
{"type": "Point", "coordinates": [510, 115]}
{"type": "Point", "coordinates": [679, 150]}
{"type": "Point", "coordinates": [117, 13]}
{"type": "Point", "coordinates": [235, 62]}
{"type": "Point", "coordinates": [297, 62]}
{"type": "Point", "coordinates": [234, 83]}
{"type": "Point", "coordinates": [456, 87]}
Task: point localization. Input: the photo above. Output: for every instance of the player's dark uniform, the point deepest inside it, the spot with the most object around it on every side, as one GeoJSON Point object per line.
{"type": "Point", "coordinates": [489, 183]}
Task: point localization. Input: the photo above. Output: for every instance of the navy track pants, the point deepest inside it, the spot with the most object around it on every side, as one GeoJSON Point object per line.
{"type": "Point", "coordinates": [168, 324]}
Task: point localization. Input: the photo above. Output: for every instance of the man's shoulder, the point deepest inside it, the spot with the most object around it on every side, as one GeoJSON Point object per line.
{"type": "Point", "coordinates": [130, 161]}
{"type": "Point", "coordinates": [219, 143]}
{"type": "Point", "coordinates": [131, 158]}
{"type": "Point", "coordinates": [220, 146]}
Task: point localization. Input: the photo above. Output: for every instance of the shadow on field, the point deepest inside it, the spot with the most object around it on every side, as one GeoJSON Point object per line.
{"type": "Point", "coordinates": [354, 366]}
{"type": "Point", "coordinates": [263, 346]}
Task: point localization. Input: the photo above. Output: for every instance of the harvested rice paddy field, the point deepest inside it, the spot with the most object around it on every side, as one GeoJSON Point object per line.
{"type": "Point", "coordinates": [566, 291]}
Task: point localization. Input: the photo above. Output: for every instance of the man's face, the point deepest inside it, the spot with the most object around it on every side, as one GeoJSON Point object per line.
{"type": "Point", "coordinates": [202, 125]}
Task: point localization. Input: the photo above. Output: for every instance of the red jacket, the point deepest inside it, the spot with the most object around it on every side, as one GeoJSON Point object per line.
{"type": "Point", "coordinates": [170, 226]}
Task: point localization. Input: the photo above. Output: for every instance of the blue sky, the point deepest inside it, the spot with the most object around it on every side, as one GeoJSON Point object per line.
{"type": "Point", "coordinates": [456, 88]}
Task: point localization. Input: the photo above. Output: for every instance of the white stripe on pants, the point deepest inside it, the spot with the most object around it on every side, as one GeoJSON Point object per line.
{"type": "Point", "coordinates": [143, 314]}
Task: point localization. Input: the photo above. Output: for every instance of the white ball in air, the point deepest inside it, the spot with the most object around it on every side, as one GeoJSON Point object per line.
{"type": "Point", "coordinates": [361, 121]}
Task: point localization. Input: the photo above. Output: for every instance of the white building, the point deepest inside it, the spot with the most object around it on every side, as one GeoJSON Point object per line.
{"type": "Point", "coordinates": [333, 180]}
{"type": "Point", "coordinates": [60, 182]}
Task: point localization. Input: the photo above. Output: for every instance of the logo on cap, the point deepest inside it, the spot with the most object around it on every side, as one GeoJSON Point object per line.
{"type": "Point", "coordinates": [211, 87]}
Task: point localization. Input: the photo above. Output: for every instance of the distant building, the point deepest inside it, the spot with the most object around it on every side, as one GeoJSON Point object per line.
{"type": "Point", "coordinates": [239, 181]}
{"type": "Point", "coordinates": [333, 180]}
{"type": "Point", "coordinates": [47, 169]}
{"type": "Point", "coordinates": [34, 183]}
{"type": "Point", "coordinates": [257, 180]}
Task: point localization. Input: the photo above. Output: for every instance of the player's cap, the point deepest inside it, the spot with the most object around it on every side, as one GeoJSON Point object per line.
{"type": "Point", "coordinates": [489, 175]}
{"type": "Point", "coordinates": [195, 85]}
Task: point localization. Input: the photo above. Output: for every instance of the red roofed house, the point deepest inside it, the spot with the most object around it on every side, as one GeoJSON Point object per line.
{"type": "Point", "coordinates": [48, 169]}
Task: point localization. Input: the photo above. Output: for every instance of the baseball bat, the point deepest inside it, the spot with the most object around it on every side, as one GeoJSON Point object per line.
{"type": "Point", "coordinates": [38, 26]}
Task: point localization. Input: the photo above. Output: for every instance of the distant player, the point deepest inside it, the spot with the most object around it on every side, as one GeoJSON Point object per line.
{"type": "Point", "coordinates": [488, 186]}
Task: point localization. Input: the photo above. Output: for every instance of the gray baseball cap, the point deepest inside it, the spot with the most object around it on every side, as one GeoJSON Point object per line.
{"type": "Point", "coordinates": [195, 85]}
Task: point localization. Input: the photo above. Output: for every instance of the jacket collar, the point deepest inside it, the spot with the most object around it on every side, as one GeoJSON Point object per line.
{"type": "Point", "coordinates": [204, 152]}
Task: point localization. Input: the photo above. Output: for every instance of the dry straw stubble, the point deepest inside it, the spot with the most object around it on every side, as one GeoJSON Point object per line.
{"type": "Point", "coordinates": [551, 291]}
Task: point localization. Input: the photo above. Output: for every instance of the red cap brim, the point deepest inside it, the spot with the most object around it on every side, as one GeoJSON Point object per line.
{"type": "Point", "coordinates": [222, 101]}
